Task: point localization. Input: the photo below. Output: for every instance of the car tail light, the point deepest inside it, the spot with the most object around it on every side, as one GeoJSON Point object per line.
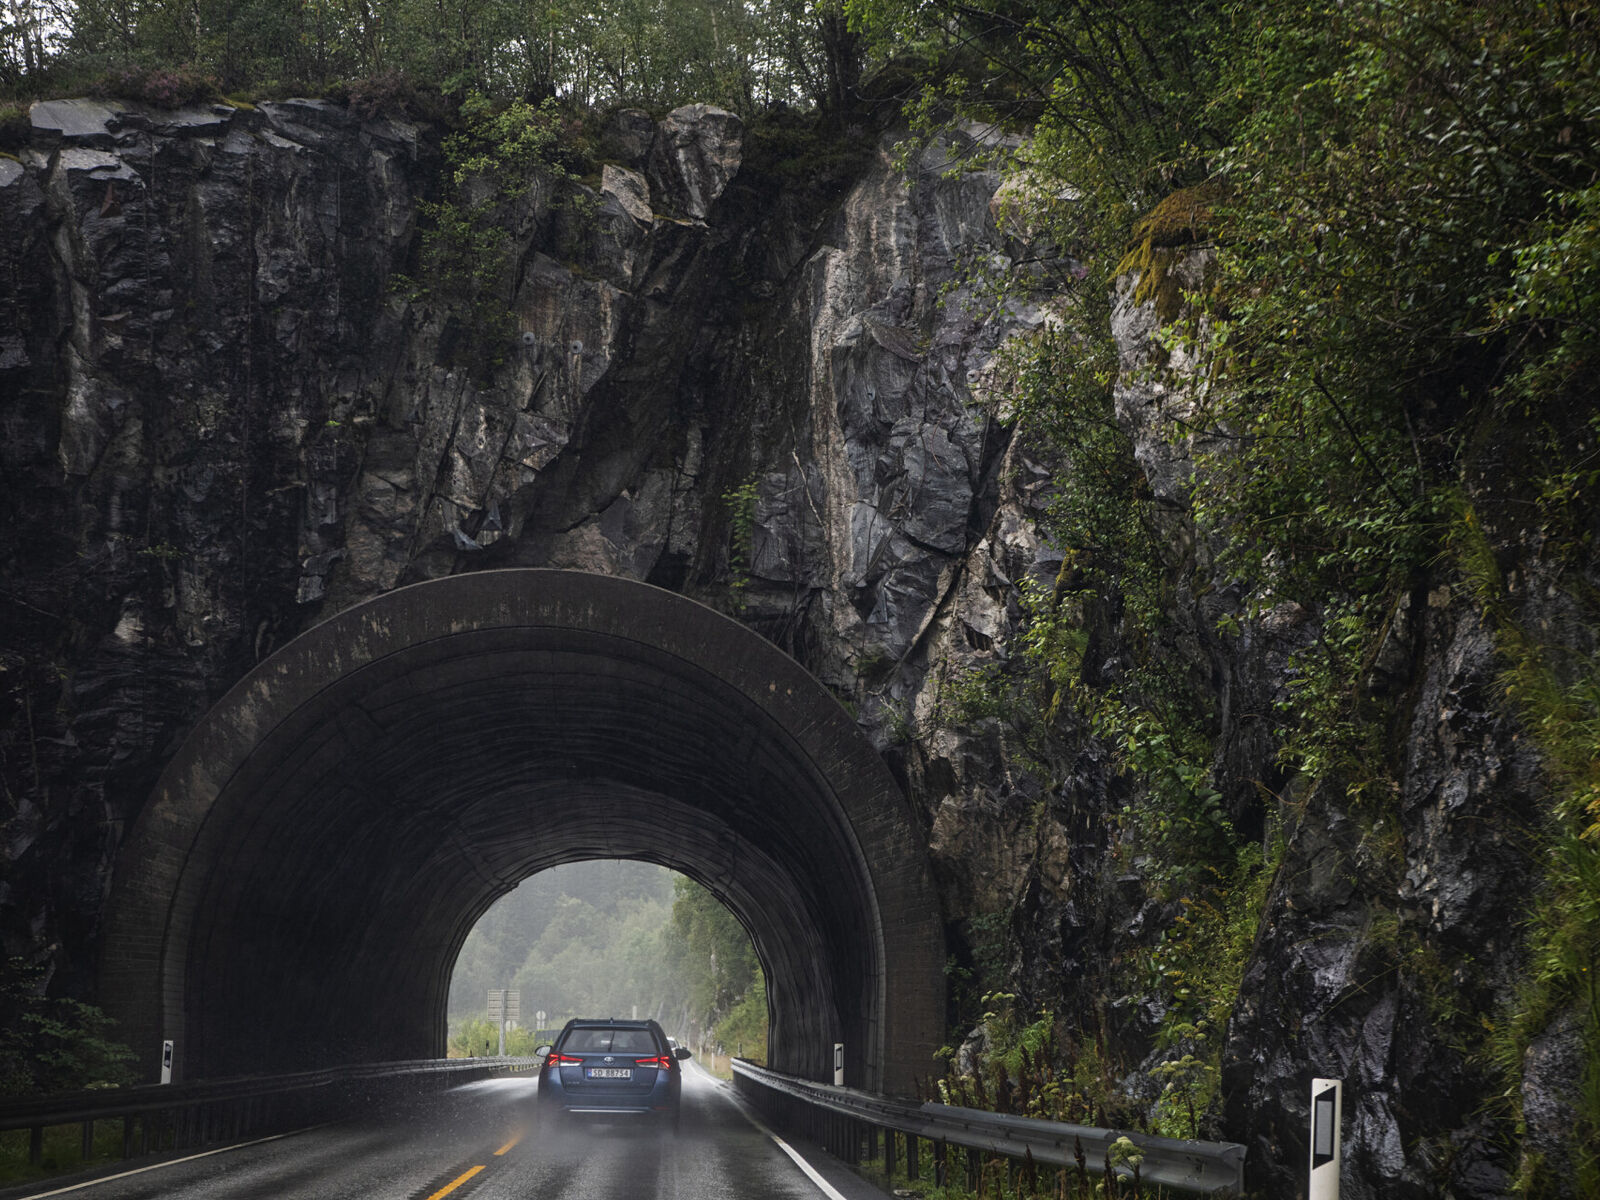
{"type": "Point", "coordinates": [664, 1061]}
{"type": "Point", "coordinates": [562, 1060]}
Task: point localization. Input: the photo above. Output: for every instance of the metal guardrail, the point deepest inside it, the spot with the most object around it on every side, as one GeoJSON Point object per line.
{"type": "Point", "coordinates": [840, 1117]}
{"type": "Point", "coordinates": [179, 1116]}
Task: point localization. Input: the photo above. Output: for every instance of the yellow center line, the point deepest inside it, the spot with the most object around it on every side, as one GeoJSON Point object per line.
{"type": "Point", "coordinates": [508, 1145]}
{"type": "Point", "coordinates": [455, 1183]}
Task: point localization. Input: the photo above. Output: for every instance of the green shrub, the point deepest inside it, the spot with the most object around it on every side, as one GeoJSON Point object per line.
{"type": "Point", "coordinates": [157, 86]}
{"type": "Point", "coordinates": [50, 1044]}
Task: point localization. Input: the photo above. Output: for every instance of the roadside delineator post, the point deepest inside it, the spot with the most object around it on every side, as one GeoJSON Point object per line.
{"type": "Point", "coordinates": [838, 1064]}
{"type": "Point", "coordinates": [1327, 1107]}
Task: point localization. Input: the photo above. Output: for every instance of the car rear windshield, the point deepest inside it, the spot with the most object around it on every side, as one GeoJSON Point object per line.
{"type": "Point", "coordinates": [626, 1041]}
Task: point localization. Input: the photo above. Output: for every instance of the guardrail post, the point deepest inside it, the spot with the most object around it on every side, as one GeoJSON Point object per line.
{"type": "Point", "coordinates": [913, 1167]}
{"type": "Point", "coordinates": [890, 1137]}
{"type": "Point", "coordinates": [36, 1145]}
{"type": "Point", "coordinates": [86, 1149]}
{"type": "Point", "coordinates": [941, 1170]}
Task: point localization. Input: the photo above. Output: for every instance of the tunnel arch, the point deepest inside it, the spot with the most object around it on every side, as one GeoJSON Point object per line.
{"type": "Point", "coordinates": [299, 884]}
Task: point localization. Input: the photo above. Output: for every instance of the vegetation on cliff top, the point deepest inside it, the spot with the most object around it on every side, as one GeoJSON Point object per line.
{"type": "Point", "coordinates": [1390, 350]}
{"type": "Point", "coordinates": [649, 53]}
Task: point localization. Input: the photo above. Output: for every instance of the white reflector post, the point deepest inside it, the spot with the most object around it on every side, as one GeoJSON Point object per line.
{"type": "Point", "coordinates": [1327, 1107]}
{"type": "Point", "coordinates": [838, 1064]}
{"type": "Point", "coordinates": [166, 1062]}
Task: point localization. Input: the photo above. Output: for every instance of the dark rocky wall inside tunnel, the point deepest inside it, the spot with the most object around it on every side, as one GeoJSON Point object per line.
{"type": "Point", "coordinates": [220, 425]}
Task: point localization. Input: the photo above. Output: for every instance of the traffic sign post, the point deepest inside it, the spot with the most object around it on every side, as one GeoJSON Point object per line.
{"type": "Point", "coordinates": [505, 1004]}
{"type": "Point", "coordinates": [1327, 1107]}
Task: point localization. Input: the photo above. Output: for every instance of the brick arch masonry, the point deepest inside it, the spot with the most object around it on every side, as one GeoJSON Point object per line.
{"type": "Point", "coordinates": [298, 886]}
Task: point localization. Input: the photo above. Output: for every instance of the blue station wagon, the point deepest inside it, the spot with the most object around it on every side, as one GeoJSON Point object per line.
{"type": "Point", "coordinates": [606, 1068]}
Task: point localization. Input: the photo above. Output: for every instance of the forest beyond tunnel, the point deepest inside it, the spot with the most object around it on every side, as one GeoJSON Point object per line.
{"type": "Point", "coordinates": [299, 886]}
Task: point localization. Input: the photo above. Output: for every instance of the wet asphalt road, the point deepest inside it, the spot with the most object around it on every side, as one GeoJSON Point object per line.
{"type": "Point", "coordinates": [483, 1142]}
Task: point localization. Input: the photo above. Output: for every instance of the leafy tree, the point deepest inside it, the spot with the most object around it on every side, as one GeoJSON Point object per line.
{"type": "Point", "coordinates": [651, 53]}
{"type": "Point", "coordinates": [744, 1030]}
{"type": "Point", "coordinates": [722, 962]}
{"type": "Point", "coordinates": [51, 1045]}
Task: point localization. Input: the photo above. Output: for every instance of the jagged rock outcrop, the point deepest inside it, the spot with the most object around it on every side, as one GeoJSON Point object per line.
{"type": "Point", "coordinates": [230, 411]}
{"type": "Point", "coordinates": [1392, 933]}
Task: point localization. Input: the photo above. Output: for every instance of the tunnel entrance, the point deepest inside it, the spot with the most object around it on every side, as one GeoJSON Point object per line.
{"type": "Point", "coordinates": [297, 888]}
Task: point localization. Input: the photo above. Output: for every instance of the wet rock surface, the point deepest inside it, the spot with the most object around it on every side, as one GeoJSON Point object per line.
{"type": "Point", "coordinates": [230, 411]}
{"type": "Point", "coordinates": [225, 413]}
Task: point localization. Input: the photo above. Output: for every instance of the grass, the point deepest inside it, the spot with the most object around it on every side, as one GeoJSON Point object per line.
{"type": "Point", "coordinates": [720, 1065]}
{"type": "Point", "coordinates": [999, 1178]}
{"type": "Point", "coordinates": [63, 1151]}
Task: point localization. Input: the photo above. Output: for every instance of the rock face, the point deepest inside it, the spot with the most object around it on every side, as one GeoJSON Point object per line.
{"type": "Point", "coordinates": [229, 414]}
{"type": "Point", "coordinates": [1387, 941]}
{"type": "Point", "coordinates": [226, 415]}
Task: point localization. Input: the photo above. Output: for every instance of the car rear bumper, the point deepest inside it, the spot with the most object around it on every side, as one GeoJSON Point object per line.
{"type": "Point", "coordinates": [657, 1100]}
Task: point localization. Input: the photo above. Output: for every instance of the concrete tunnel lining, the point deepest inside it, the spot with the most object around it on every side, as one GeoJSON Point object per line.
{"type": "Point", "coordinates": [246, 881]}
{"type": "Point", "coordinates": [337, 822]}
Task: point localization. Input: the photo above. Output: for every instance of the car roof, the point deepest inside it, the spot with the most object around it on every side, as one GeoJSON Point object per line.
{"type": "Point", "coordinates": [612, 1022]}
{"type": "Point", "coordinates": [605, 1036]}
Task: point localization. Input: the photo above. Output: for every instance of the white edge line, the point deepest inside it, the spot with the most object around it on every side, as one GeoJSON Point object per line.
{"type": "Point", "coordinates": [823, 1185]}
{"type": "Point", "coordinates": [171, 1162]}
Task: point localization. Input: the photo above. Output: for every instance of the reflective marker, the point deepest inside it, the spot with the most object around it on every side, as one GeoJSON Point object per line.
{"type": "Point", "coordinates": [455, 1183]}
{"type": "Point", "coordinates": [1327, 1104]}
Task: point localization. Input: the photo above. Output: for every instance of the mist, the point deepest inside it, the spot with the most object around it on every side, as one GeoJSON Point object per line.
{"type": "Point", "coordinates": [610, 938]}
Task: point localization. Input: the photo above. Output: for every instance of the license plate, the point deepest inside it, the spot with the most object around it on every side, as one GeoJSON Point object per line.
{"type": "Point", "coordinates": [609, 1073]}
